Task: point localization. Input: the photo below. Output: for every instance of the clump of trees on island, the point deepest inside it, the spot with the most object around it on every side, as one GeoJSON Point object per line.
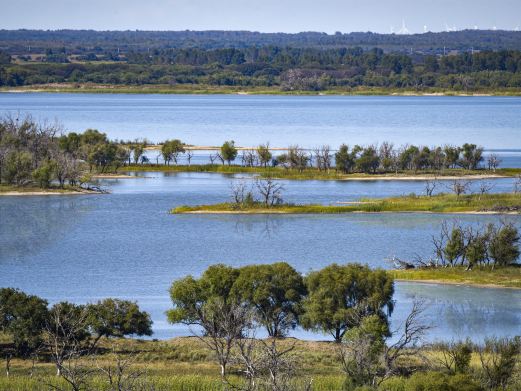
{"type": "Point", "coordinates": [41, 154]}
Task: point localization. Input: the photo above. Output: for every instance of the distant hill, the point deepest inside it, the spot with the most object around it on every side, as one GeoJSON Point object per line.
{"type": "Point", "coordinates": [84, 41]}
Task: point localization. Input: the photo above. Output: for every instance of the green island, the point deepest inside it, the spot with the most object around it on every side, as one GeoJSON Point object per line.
{"type": "Point", "coordinates": [440, 203]}
{"type": "Point", "coordinates": [313, 173]}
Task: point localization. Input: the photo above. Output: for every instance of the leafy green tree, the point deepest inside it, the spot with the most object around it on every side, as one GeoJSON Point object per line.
{"type": "Point", "coordinates": [189, 295]}
{"type": "Point", "coordinates": [171, 149]}
{"type": "Point", "coordinates": [476, 250]}
{"type": "Point", "coordinates": [340, 296]}
{"type": "Point", "coordinates": [22, 317]}
{"type": "Point", "coordinates": [45, 173]}
{"type": "Point", "coordinates": [138, 151]}
{"type": "Point", "coordinates": [275, 292]}
{"type": "Point", "coordinates": [472, 155]}
{"type": "Point", "coordinates": [455, 246]}
{"type": "Point", "coordinates": [369, 161]}
{"type": "Point", "coordinates": [118, 318]}
{"type": "Point", "coordinates": [344, 160]}
{"type": "Point", "coordinates": [228, 151]}
{"type": "Point", "coordinates": [503, 246]}
{"type": "Point", "coordinates": [264, 153]}
{"type": "Point", "coordinates": [17, 167]}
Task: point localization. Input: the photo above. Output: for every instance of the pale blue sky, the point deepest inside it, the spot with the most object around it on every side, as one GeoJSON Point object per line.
{"type": "Point", "coordinates": [261, 15]}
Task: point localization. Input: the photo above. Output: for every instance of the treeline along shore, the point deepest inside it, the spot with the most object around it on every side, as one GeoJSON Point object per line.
{"type": "Point", "coordinates": [39, 156]}
{"type": "Point", "coordinates": [467, 62]}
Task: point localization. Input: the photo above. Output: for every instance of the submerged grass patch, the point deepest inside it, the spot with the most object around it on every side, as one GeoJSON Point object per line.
{"type": "Point", "coordinates": [442, 203]}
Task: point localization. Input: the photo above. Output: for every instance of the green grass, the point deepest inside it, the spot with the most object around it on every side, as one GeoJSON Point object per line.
{"type": "Point", "coordinates": [313, 173]}
{"type": "Point", "coordinates": [506, 277]}
{"type": "Point", "coordinates": [443, 203]}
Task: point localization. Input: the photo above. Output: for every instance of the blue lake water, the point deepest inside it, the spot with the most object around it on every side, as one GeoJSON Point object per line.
{"type": "Point", "coordinates": [494, 122]}
{"type": "Point", "coordinates": [125, 244]}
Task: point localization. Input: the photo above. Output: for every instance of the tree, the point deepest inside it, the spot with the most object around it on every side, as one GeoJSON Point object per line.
{"type": "Point", "coordinates": [472, 156]}
{"type": "Point", "coordinates": [23, 317]}
{"type": "Point", "coordinates": [455, 246]}
{"type": "Point", "coordinates": [228, 151]}
{"type": "Point", "coordinates": [274, 292]}
{"type": "Point", "coordinates": [368, 161]}
{"type": "Point", "coordinates": [66, 336]}
{"type": "Point", "coordinates": [264, 154]}
{"type": "Point", "coordinates": [189, 295]}
{"type": "Point", "coordinates": [498, 359]}
{"type": "Point", "coordinates": [503, 244]}
{"type": "Point", "coordinates": [344, 160]}
{"type": "Point", "coordinates": [339, 296]}
{"type": "Point", "coordinates": [138, 151]}
{"type": "Point", "coordinates": [118, 318]}
{"type": "Point", "coordinates": [270, 191]}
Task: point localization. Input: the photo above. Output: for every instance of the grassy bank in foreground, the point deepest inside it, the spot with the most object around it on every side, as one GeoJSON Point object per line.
{"type": "Point", "coordinates": [443, 203]}
{"type": "Point", "coordinates": [315, 174]}
{"type": "Point", "coordinates": [187, 364]}
{"type": "Point", "coordinates": [504, 277]}
{"type": "Point", "coordinates": [214, 89]}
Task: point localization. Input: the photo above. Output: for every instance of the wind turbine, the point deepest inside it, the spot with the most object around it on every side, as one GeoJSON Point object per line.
{"type": "Point", "coordinates": [404, 30]}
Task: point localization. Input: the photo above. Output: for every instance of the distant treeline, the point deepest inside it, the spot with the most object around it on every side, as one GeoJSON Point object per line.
{"type": "Point", "coordinates": [285, 68]}
{"type": "Point", "coordinates": [87, 41]}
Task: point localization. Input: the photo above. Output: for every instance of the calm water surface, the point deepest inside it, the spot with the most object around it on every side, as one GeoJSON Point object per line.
{"type": "Point", "coordinates": [494, 122]}
{"type": "Point", "coordinates": [125, 244]}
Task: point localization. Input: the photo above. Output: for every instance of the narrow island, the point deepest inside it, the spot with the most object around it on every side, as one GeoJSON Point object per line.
{"type": "Point", "coordinates": [500, 203]}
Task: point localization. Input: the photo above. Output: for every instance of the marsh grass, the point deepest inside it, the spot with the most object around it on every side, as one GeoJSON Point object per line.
{"type": "Point", "coordinates": [442, 203]}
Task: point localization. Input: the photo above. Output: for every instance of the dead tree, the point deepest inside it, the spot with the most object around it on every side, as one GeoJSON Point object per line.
{"type": "Point", "coordinates": [409, 343]}
{"type": "Point", "coordinates": [430, 186]}
{"type": "Point", "coordinates": [459, 187]}
{"type": "Point", "coordinates": [493, 162]}
{"type": "Point", "coordinates": [121, 375]}
{"type": "Point", "coordinates": [65, 336]}
{"type": "Point", "coordinates": [270, 191]}
{"type": "Point", "coordinates": [189, 156]}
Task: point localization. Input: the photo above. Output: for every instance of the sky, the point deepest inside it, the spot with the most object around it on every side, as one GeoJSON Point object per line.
{"type": "Point", "coordinates": [289, 16]}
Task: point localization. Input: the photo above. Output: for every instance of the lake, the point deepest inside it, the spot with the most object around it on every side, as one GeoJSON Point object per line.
{"type": "Point", "coordinates": [494, 122]}
{"type": "Point", "coordinates": [125, 244]}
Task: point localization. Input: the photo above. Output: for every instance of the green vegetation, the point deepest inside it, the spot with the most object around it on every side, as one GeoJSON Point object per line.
{"type": "Point", "coordinates": [285, 69]}
{"type": "Point", "coordinates": [80, 347]}
{"type": "Point", "coordinates": [441, 203]}
{"type": "Point", "coordinates": [507, 277]}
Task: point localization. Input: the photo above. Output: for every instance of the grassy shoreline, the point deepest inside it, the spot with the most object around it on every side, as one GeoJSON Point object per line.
{"type": "Point", "coordinates": [484, 277]}
{"type": "Point", "coordinates": [315, 174]}
{"type": "Point", "coordinates": [501, 203]}
{"type": "Point", "coordinates": [209, 90]}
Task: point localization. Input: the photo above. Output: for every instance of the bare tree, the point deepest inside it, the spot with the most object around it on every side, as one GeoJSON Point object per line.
{"type": "Point", "coordinates": [239, 190]}
{"type": "Point", "coordinates": [459, 187]}
{"type": "Point", "coordinates": [189, 156]}
{"type": "Point", "coordinates": [498, 359]}
{"type": "Point", "coordinates": [65, 334]}
{"type": "Point", "coordinates": [270, 191]}
{"type": "Point", "coordinates": [485, 187]}
{"type": "Point", "coordinates": [517, 184]}
{"type": "Point", "coordinates": [493, 162]}
{"type": "Point", "coordinates": [223, 324]}
{"type": "Point", "coordinates": [212, 158]}
{"type": "Point", "coordinates": [409, 343]}
{"type": "Point", "coordinates": [430, 185]}
{"type": "Point", "coordinates": [121, 374]}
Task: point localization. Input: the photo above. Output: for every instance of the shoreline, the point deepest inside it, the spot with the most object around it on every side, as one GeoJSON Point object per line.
{"type": "Point", "coordinates": [457, 283]}
{"type": "Point", "coordinates": [282, 212]}
{"type": "Point", "coordinates": [14, 193]}
{"type": "Point", "coordinates": [216, 90]}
